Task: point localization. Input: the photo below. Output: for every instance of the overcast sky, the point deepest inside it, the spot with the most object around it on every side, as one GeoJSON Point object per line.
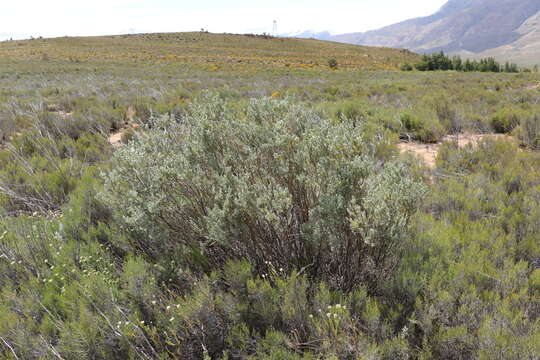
{"type": "Point", "coordinates": [47, 18]}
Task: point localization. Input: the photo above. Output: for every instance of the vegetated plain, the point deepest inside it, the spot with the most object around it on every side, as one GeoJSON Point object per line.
{"type": "Point", "coordinates": [259, 207]}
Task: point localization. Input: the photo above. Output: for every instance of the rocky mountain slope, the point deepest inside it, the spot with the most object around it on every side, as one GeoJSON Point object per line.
{"type": "Point", "coordinates": [508, 29]}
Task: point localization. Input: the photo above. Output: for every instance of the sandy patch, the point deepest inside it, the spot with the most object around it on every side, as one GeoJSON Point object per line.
{"type": "Point", "coordinates": [115, 139]}
{"type": "Point", "coordinates": [428, 152]}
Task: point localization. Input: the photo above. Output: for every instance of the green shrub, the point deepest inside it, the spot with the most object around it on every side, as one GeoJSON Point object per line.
{"type": "Point", "coordinates": [351, 111]}
{"type": "Point", "coordinates": [39, 171]}
{"type": "Point", "coordinates": [333, 64]}
{"type": "Point", "coordinates": [529, 132]}
{"type": "Point", "coordinates": [410, 122]}
{"type": "Point", "coordinates": [276, 183]}
{"type": "Point", "coordinates": [427, 130]}
{"type": "Point", "coordinates": [431, 132]}
{"type": "Point", "coordinates": [448, 115]}
{"type": "Point", "coordinates": [505, 120]}
{"type": "Point", "coordinates": [407, 67]}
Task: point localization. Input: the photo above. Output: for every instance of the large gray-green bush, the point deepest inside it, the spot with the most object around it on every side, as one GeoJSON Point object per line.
{"type": "Point", "coordinates": [274, 183]}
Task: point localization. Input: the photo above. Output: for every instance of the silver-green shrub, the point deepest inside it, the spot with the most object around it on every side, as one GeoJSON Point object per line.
{"type": "Point", "coordinates": [275, 183]}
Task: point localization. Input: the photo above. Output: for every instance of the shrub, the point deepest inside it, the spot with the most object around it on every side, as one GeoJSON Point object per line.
{"type": "Point", "coordinates": [529, 132]}
{"type": "Point", "coordinates": [447, 115]}
{"type": "Point", "coordinates": [39, 171]}
{"type": "Point", "coordinates": [333, 64]}
{"type": "Point", "coordinates": [505, 120]}
{"type": "Point", "coordinates": [432, 131]}
{"type": "Point", "coordinates": [276, 183]}
{"type": "Point", "coordinates": [352, 111]}
{"type": "Point", "coordinates": [410, 122]}
{"type": "Point", "coordinates": [407, 67]}
{"type": "Point", "coordinates": [426, 130]}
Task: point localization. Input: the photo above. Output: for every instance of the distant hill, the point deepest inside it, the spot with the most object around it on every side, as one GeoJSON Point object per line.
{"type": "Point", "coordinates": [507, 29]}
{"type": "Point", "coordinates": [310, 34]}
{"type": "Point", "coordinates": [207, 50]}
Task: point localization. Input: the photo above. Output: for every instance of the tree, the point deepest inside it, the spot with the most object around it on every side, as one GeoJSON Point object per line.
{"type": "Point", "coordinates": [457, 63]}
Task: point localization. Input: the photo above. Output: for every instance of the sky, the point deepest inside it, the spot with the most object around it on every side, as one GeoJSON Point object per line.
{"type": "Point", "coordinates": [25, 18]}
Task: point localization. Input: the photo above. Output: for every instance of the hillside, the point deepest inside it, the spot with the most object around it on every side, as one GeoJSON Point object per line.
{"type": "Point", "coordinates": [204, 49]}
{"type": "Point", "coordinates": [507, 29]}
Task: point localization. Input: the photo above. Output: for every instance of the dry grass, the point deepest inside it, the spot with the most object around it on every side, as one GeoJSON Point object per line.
{"type": "Point", "coordinates": [212, 51]}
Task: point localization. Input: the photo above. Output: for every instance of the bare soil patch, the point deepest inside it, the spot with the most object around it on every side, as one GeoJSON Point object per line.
{"type": "Point", "coordinates": [115, 139]}
{"type": "Point", "coordinates": [428, 152]}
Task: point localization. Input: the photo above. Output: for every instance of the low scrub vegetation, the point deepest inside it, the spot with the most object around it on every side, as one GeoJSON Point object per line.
{"type": "Point", "coordinates": [266, 214]}
{"type": "Point", "coordinates": [275, 184]}
{"type": "Point", "coordinates": [271, 231]}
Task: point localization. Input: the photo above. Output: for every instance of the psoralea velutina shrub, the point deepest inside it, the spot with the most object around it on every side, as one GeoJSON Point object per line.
{"type": "Point", "coordinates": [274, 182]}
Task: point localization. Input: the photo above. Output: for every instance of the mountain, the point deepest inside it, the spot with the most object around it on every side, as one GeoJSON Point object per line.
{"type": "Point", "coordinates": [508, 29]}
{"type": "Point", "coordinates": [309, 34]}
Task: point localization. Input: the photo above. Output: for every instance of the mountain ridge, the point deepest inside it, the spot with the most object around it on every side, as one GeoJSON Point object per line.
{"type": "Point", "coordinates": [472, 27]}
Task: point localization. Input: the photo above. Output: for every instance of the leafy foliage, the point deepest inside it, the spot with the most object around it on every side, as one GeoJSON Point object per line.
{"type": "Point", "coordinates": [440, 61]}
{"type": "Point", "coordinates": [276, 183]}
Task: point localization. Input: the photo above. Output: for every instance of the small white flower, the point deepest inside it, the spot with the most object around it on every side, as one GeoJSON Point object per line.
{"type": "Point", "coordinates": [153, 302]}
{"type": "Point", "coordinates": [405, 329]}
{"type": "Point", "coordinates": [171, 319]}
{"type": "Point", "coordinates": [328, 315]}
{"type": "Point", "coordinates": [168, 307]}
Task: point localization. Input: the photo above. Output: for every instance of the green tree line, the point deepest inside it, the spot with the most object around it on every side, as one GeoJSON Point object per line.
{"type": "Point", "coordinates": [441, 61]}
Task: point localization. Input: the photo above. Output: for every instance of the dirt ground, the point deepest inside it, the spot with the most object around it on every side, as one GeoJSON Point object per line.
{"type": "Point", "coordinates": [428, 152]}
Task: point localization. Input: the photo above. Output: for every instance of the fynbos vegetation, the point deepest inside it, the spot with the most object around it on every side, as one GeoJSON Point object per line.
{"type": "Point", "coordinates": [212, 210]}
